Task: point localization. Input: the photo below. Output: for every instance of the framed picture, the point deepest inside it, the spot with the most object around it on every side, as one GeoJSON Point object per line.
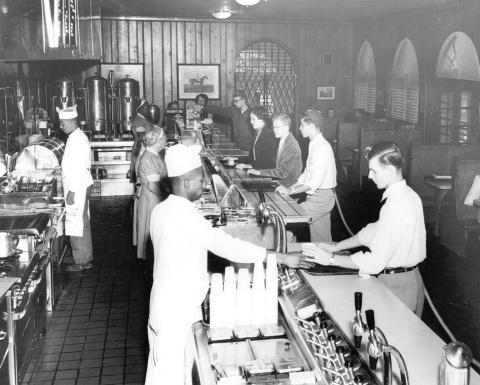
{"type": "Point", "coordinates": [194, 79]}
{"type": "Point", "coordinates": [325, 93]}
{"type": "Point", "coordinates": [327, 59]}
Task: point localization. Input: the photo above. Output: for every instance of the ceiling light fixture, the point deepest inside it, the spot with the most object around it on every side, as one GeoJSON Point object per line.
{"type": "Point", "coordinates": [222, 14]}
{"type": "Point", "coordinates": [247, 3]}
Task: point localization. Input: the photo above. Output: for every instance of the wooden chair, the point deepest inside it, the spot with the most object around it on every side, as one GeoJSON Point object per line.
{"type": "Point", "coordinates": [458, 220]}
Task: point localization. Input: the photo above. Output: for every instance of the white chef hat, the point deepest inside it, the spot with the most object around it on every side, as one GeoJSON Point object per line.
{"type": "Point", "coordinates": [67, 113]}
{"type": "Point", "coordinates": [181, 159]}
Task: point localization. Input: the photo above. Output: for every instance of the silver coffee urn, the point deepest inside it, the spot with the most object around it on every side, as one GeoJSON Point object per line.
{"type": "Point", "coordinates": [96, 111]}
{"type": "Point", "coordinates": [64, 96]}
{"type": "Point", "coordinates": [455, 365]}
{"type": "Point", "coordinates": [128, 94]}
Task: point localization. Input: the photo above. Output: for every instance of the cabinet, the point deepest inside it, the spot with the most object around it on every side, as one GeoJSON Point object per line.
{"type": "Point", "coordinates": [110, 168]}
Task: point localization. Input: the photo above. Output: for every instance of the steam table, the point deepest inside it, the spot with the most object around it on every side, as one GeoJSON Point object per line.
{"type": "Point", "coordinates": [285, 205]}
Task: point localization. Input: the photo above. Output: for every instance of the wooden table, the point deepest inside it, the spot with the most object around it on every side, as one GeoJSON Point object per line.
{"type": "Point", "coordinates": [441, 187]}
{"type": "Point", "coordinates": [476, 203]}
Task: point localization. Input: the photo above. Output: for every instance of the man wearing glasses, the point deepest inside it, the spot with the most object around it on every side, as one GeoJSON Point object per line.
{"type": "Point", "coordinates": [239, 114]}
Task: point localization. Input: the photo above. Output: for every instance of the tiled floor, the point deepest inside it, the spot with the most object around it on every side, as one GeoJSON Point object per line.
{"type": "Point", "coordinates": [97, 333]}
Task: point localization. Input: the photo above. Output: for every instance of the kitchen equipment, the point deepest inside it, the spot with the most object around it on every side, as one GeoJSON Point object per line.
{"type": "Point", "coordinates": [128, 93]}
{"type": "Point", "coordinates": [153, 113]}
{"type": "Point", "coordinates": [64, 96]}
{"type": "Point", "coordinates": [45, 154]}
{"type": "Point", "coordinates": [455, 365]}
{"type": "Point", "coordinates": [99, 173]}
{"type": "Point", "coordinates": [8, 243]}
{"type": "Point", "coordinates": [96, 104]}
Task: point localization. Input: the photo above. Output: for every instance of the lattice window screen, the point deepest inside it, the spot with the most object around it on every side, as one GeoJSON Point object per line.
{"type": "Point", "coordinates": [267, 74]}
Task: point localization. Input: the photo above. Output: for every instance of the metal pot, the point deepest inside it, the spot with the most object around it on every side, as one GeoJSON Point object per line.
{"type": "Point", "coordinates": [128, 94]}
{"type": "Point", "coordinates": [8, 243]}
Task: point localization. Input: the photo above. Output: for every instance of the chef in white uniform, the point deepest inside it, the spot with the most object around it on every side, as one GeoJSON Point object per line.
{"type": "Point", "coordinates": [77, 185]}
{"type": "Point", "coordinates": [181, 238]}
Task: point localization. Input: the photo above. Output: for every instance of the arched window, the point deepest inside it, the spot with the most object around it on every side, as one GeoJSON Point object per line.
{"type": "Point", "coordinates": [266, 71]}
{"type": "Point", "coordinates": [458, 76]}
{"type": "Point", "coordinates": [365, 94]}
{"type": "Point", "coordinates": [404, 84]}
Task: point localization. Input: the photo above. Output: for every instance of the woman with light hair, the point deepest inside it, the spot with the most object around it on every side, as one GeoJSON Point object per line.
{"type": "Point", "coordinates": [151, 171]}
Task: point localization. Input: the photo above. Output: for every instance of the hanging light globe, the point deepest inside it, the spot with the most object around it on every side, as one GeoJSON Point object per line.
{"type": "Point", "coordinates": [222, 14]}
{"type": "Point", "coordinates": [247, 3]}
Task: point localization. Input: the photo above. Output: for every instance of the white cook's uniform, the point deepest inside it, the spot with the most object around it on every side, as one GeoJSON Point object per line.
{"type": "Point", "coordinates": [181, 238]}
{"type": "Point", "coordinates": [76, 177]}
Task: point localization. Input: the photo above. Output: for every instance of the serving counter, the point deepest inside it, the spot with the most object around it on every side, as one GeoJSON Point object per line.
{"type": "Point", "coordinates": [304, 297]}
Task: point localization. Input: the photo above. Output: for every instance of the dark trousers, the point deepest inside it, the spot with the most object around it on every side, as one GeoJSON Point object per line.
{"type": "Point", "coordinates": [82, 250]}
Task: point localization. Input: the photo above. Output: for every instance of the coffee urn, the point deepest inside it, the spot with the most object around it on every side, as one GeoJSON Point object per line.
{"type": "Point", "coordinates": [96, 111]}
{"type": "Point", "coordinates": [128, 94]}
{"type": "Point", "coordinates": [64, 96]}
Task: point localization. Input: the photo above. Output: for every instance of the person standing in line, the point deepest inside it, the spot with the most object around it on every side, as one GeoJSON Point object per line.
{"type": "Point", "coordinates": [318, 179]}
{"type": "Point", "coordinates": [140, 125]}
{"type": "Point", "coordinates": [288, 164]}
{"type": "Point", "coordinates": [151, 171]}
{"type": "Point", "coordinates": [264, 145]}
{"type": "Point", "coordinates": [77, 186]}
{"type": "Point", "coordinates": [239, 113]}
{"type": "Point", "coordinates": [181, 237]}
{"type": "Point", "coordinates": [397, 241]}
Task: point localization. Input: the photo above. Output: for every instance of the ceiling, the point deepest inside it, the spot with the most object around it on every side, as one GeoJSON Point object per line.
{"type": "Point", "coordinates": [307, 10]}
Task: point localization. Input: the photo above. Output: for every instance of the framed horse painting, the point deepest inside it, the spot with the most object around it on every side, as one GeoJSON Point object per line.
{"type": "Point", "coordinates": [194, 79]}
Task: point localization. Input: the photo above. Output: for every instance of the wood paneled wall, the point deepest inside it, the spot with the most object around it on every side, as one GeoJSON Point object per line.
{"type": "Point", "coordinates": [161, 44]}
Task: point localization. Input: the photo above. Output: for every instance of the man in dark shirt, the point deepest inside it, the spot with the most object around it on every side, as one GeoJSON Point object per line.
{"type": "Point", "coordinates": [239, 113]}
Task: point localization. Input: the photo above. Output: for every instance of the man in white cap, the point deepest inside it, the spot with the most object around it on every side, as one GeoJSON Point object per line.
{"type": "Point", "coordinates": [181, 238]}
{"type": "Point", "coordinates": [77, 185]}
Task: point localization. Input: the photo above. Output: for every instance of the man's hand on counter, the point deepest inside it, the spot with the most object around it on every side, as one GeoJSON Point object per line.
{"type": "Point", "coordinates": [252, 171]}
{"type": "Point", "coordinates": [70, 200]}
{"type": "Point", "coordinates": [282, 190]}
{"type": "Point", "coordinates": [294, 260]}
{"type": "Point", "coordinates": [317, 254]}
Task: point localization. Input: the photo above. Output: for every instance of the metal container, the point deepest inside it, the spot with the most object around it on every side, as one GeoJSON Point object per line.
{"type": "Point", "coordinates": [129, 96]}
{"type": "Point", "coordinates": [455, 365]}
{"type": "Point", "coordinates": [96, 103]}
{"type": "Point", "coordinates": [8, 243]}
{"type": "Point", "coordinates": [64, 96]}
{"type": "Point", "coordinates": [153, 113]}
{"type": "Point", "coordinates": [47, 153]}
{"type": "Point", "coordinates": [22, 99]}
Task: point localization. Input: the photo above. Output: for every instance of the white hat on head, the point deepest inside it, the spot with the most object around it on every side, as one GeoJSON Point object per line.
{"type": "Point", "coordinates": [181, 159]}
{"type": "Point", "coordinates": [67, 113]}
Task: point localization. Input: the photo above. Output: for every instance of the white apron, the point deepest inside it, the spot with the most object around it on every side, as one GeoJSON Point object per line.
{"type": "Point", "coordinates": [74, 215]}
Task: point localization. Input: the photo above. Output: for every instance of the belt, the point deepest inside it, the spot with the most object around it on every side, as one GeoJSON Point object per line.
{"type": "Point", "coordinates": [395, 270]}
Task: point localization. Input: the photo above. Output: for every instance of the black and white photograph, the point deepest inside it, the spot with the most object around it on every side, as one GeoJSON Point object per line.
{"type": "Point", "coordinates": [239, 192]}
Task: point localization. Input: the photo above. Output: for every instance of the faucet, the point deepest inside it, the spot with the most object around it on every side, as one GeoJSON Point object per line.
{"type": "Point", "coordinates": [378, 345]}
{"type": "Point", "coordinates": [358, 326]}
{"type": "Point", "coordinates": [268, 212]}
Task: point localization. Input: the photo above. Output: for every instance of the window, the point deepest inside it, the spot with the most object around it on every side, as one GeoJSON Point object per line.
{"type": "Point", "coordinates": [458, 84]}
{"type": "Point", "coordinates": [404, 84]}
{"type": "Point", "coordinates": [365, 92]}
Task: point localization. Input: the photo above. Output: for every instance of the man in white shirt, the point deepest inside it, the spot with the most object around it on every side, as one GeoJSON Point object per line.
{"type": "Point", "coordinates": [318, 179]}
{"type": "Point", "coordinates": [181, 238]}
{"type": "Point", "coordinates": [77, 185]}
{"type": "Point", "coordinates": [397, 241]}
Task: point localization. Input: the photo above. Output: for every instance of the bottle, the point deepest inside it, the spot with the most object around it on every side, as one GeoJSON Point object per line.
{"type": "Point", "coordinates": [455, 365]}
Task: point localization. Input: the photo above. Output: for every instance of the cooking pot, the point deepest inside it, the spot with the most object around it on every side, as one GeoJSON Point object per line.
{"type": "Point", "coordinates": [8, 243]}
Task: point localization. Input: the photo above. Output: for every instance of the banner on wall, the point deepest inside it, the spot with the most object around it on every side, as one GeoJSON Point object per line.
{"type": "Point", "coordinates": [60, 23]}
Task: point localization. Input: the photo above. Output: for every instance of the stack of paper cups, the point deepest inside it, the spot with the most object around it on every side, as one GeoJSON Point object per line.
{"type": "Point", "coordinates": [229, 293]}
{"type": "Point", "coordinates": [258, 295]}
{"type": "Point", "coordinates": [216, 301]}
{"type": "Point", "coordinates": [271, 290]}
{"type": "Point", "coordinates": [243, 298]}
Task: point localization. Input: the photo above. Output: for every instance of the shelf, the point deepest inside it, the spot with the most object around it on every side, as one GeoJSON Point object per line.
{"type": "Point", "coordinates": [111, 144]}
{"type": "Point", "coordinates": [110, 162]}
